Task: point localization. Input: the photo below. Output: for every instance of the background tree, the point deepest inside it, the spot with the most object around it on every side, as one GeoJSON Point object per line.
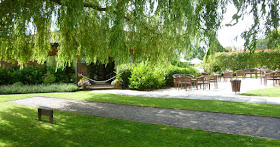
{"type": "Point", "coordinates": [95, 30]}
{"type": "Point", "coordinates": [261, 44]}
{"type": "Point", "coordinates": [228, 48]}
{"type": "Point", "coordinates": [273, 39]}
{"type": "Point", "coordinates": [197, 50]}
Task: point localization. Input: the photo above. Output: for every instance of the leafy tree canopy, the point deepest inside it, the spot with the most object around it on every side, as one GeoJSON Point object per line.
{"type": "Point", "coordinates": [228, 49]}
{"type": "Point", "coordinates": [96, 29]}
{"type": "Point", "coordinates": [261, 44]}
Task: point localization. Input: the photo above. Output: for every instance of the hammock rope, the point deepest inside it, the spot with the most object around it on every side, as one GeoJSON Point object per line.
{"type": "Point", "coordinates": [98, 81]}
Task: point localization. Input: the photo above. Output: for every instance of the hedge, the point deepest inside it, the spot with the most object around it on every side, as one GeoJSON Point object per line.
{"type": "Point", "coordinates": [243, 60]}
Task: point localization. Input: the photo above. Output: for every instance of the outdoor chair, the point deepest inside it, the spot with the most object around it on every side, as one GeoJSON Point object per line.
{"type": "Point", "coordinates": [251, 72]}
{"type": "Point", "coordinates": [204, 81]}
{"type": "Point", "coordinates": [240, 73]}
{"type": "Point", "coordinates": [228, 75]}
{"type": "Point", "coordinates": [204, 73]}
{"type": "Point", "coordinates": [219, 75]}
{"type": "Point", "coordinates": [263, 76]}
{"type": "Point", "coordinates": [176, 80]}
{"type": "Point", "coordinates": [214, 79]}
{"type": "Point", "coordinates": [274, 76]}
{"type": "Point", "coordinates": [185, 81]}
{"type": "Point", "coordinates": [192, 76]}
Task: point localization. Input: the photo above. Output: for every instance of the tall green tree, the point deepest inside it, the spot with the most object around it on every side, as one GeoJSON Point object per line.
{"type": "Point", "coordinates": [273, 39]}
{"type": "Point", "coordinates": [228, 49]}
{"type": "Point", "coordinates": [97, 29]}
{"type": "Point", "coordinates": [261, 43]}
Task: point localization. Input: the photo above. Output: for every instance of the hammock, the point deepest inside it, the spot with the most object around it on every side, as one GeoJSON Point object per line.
{"type": "Point", "coordinates": [99, 81]}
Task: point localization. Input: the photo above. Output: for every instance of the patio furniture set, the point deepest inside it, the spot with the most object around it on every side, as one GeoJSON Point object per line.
{"type": "Point", "coordinates": [271, 75]}
{"type": "Point", "coordinates": [188, 81]}
{"type": "Point", "coordinates": [265, 74]}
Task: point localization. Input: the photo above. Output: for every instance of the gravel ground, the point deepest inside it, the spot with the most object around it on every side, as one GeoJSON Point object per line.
{"type": "Point", "coordinates": [216, 122]}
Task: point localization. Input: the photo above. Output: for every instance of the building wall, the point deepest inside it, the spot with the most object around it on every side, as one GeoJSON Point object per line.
{"type": "Point", "coordinates": [10, 64]}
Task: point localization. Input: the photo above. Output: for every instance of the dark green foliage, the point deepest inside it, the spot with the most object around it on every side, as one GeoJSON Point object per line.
{"type": "Point", "coordinates": [18, 84]}
{"type": "Point", "coordinates": [146, 76]}
{"type": "Point", "coordinates": [171, 70]}
{"type": "Point", "coordinates": [34, 75]}
{"type": "Point", "coordinates": [60, 74]}
{"type": "Point", "coordinates": [49, 78]}
{"type": "Point", "coordinates": [27, 75]}
{"type": "Point", "coordinates": [30, 75]}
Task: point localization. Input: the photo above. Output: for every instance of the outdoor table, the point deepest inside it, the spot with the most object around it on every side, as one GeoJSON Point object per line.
{"type": "Point", "coordinates": [219, 76]}
{"type": "Point", "coordinates": [274, 76]}
{"type": "Point", "coordinates": [214, 79]}
{"type": "Point", "coordinates": [193, 80]}
{"type": "Point", "coordinates": [252, 73]}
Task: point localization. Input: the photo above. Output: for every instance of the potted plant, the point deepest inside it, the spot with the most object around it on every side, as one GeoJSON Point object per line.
{"type": "Point", "coordinates": [84, 83]}
{"type": "Point", "coordinates": [116, 83]}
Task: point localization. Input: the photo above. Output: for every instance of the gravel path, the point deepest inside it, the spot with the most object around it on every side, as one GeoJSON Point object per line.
{"type": "Point", "coordinates": [217, 122]}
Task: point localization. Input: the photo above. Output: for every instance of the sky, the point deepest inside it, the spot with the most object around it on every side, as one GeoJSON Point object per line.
{"type": "Point", "coordinates": [231, 35]}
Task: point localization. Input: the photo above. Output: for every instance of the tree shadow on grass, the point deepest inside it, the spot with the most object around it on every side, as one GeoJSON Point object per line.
{"type": "Point", "coordinates": [19, 126]}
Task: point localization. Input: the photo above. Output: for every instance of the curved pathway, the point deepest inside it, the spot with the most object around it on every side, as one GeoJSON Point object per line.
{"type": "Point", "coordinates": [216, 122]}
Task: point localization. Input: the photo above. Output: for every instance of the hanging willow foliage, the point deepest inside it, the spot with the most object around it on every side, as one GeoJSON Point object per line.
{"type": "Point", "coordinates": [98, 29]}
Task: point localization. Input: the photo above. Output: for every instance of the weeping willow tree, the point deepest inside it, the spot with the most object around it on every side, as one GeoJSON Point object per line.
{"type": "Point", "coordinates": [98, 29]}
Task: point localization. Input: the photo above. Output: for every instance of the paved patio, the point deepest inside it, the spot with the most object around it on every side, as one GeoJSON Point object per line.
{"type": "Point", "coordinates": [223, 93]}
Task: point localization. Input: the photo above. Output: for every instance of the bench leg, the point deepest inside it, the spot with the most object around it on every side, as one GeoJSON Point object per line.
{"type": "Point", "coordinates": [39, 114]}
{"type": "Point", "coordinates": [51, 118]}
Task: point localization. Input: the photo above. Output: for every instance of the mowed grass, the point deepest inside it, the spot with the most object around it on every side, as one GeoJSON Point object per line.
{"type": "Point", "coordinates": [19, 126]}
{"type": "Point", "coordinates": [270, 92]}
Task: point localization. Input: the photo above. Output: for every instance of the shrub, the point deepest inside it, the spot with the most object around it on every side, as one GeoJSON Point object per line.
{"type": "Point", "coordinates": [49, 78]}
{"type": "Point", "coordinates": [35, 75]}
{"type": "Point", "coordinates": [41, 88]}
{"type": "Point", "coordinates": [171, 70]}
{"type": "Point", "coordinates": [18, 84]}
{"type": "Point", "coordinates": [125, 73]}
{"type": "Point", "coordinates": [30, 75]}
{"type": "Point", "coordinates": [146, 76]}
{"type": "Point", "coordinates": [60, 74]}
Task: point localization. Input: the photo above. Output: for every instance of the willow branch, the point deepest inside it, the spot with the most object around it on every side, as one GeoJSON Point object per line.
{"type": "Point", "coordinates": [89, 5]}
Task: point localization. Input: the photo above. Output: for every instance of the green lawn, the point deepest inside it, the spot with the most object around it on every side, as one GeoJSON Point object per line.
{"type": "Point", "coordinates": [270, 92]}
{"type": "Point", "coordinates": [19, 126]}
